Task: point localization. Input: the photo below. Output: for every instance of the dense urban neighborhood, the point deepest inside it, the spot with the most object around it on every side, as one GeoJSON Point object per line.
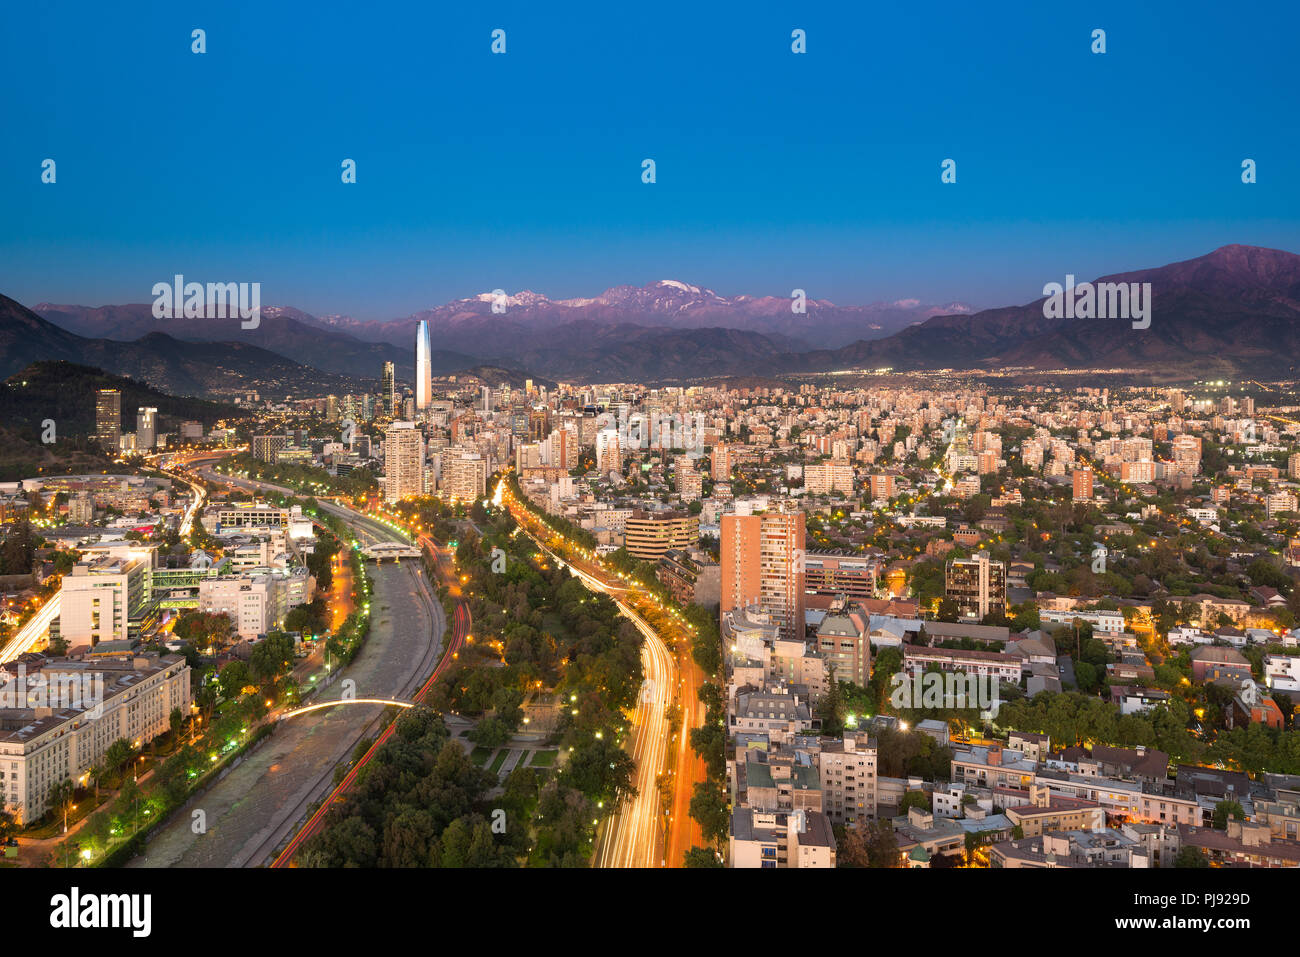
{"type": "Point", "coordinates": [919, 621]}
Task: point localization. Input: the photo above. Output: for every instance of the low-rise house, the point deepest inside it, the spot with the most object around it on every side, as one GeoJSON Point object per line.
{"type": "Point", "coordinates": [1132, 699]}
{"type": "Point", "coordinates": [1243, 844]}
{"type": "Point", "coordinates": [1050, 812]}
{"type": "Point", "coordinates": [1211, 662]}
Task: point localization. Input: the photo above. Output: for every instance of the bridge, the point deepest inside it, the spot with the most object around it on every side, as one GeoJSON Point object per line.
{"type": "Point", "coordinates": [330, 704]}
{"type": "Point", "coordinates": [380, 551]}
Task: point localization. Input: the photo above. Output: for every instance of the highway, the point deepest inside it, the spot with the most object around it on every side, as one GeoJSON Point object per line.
{"type": "Point", "coordinates": [316, 822]}
{"type": "Point", "coordinates": [259, 804]}
{"type": "Point", "coordinates": [32, 633]}
{"type": "Point", "coordinates": [632, 836]}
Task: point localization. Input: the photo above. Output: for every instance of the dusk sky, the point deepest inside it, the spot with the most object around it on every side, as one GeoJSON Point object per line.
{"type": "Point", "coordinates": [523, 170]}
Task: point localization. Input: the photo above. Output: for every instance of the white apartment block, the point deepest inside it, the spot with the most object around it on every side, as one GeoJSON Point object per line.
{"type": "Point", "coordinates": [249, 600]}
{"type": "Point", "coordinates": [464, 476]}
{"type": "Point", "coordinates": [99, 597]}
{"type": "Point", "coordinates": [403, 461]}
{"type": "Point", "coordinates": [40, 747]}
{"type": "Point", "coordinates": [256, 603]}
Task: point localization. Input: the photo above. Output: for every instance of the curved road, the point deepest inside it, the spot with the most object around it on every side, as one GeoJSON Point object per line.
{"type": "Point", "coordinates": [257, 805]}
{"type": "Point", "coordinates": [633, 835]}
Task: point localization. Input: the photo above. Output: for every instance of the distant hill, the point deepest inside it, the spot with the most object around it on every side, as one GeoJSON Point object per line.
{"type": "Point", "coordinates": [1234, 310]}
{"type": "Point", "coordinates": [175, 366]}
{"type": "Point", "coordinates": [64, 393]}
{"type": "Point", "coordinates": [289, 333]}
{"type": "Point", "coordinates": [664, 330]}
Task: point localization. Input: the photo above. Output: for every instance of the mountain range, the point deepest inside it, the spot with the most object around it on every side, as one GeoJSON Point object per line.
{"type": "Point", "coordinates": [604, 336]}
{"type": "Point", "coordinates": [1236, 309]}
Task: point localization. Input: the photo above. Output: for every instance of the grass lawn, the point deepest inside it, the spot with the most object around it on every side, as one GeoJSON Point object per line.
{"type": "Point", "coordinates": [542, 759]}
{"type": "Point", "coordinates": [499, 760]}
{"type": "Point", "coordinates": [85, 806]}
{"type": "Point", "coordinates": [480, 754]}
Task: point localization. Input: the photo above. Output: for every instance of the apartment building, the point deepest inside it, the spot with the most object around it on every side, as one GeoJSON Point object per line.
{"type": "Point", "coordinates": [839, 575]}
{"type": "Point", "coordinates": [1004, 667]}
{"type": "Point", "coordinates": [775, 839]}
{"type": "Point", "coordinates": [220, 519]}
{"type": "Point", "coordinates": [844, 641]}
{"type": "Point", "coordinates": [40, 747]}
{"type": "Point", "coordinates": [1082, 485]}
{"type": "Point", "coordinates": [265, 447]}
{"type": "Point", "coordinates": [823, 478]}
{"type": "Point", "coordinates": [104, 599]}
{"type": "Point", "coordinates": [256, 603]}
{"type": "Point", "coordinates": [649, 535]}
{"type": "Point", "coordinates": [763, 563]}
{"type": "Point", "coordinates": [464, 476]}
{"type": "Point", "coordinates": [403, 462]}
{"type": "Point", "coordinates": [691, 575]}
{"type": "Point", "coordinates": [978, 585]}
{"type": "Point", "coordinates": [848, 777]}
{"type": "Point", "coordinates": [108, 418]}
{"type": "Point", "coordinates": [1048, 812]}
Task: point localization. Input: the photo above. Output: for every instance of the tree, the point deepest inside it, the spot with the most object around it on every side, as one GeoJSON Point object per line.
{"type": "Point", "coordinates": [601, 769]}
{"type": "Point", "coordinates": [700, 857]}
{"type": "Point", "coordinates": [1227, 809]}
{"type": "Point", "coordinates": [270, 658]}
{"type": "Point", "coordinates": [882, 845]}
{"type": "Point", "coordinates": [1189, 856]}
{"type": "Point", "coordinates": [491, 732]}
{"type": "Point", "coordinates": [853, 849]}
{"type": "Point", "coordinates": [948, 610]}
{"type": "Point", "coordinates": [233, 678]}
{"type": "Point", "coordinates": [832, 707]}
{"type": "Point", "coordinates": [60, 799]}
{"type": "Point", "coordinates": [917, 799]}
{"type": "Point", "coordinates": [709, 808]}
{"type": "Point", "coordinates": [119, 753]}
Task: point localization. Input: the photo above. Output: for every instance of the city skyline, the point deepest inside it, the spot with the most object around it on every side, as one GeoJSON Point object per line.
{"type": "Point", "coordinates": [646, 439]}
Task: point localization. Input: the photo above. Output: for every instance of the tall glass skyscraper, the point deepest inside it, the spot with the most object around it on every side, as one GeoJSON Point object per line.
{"type": "Point", "coordinates": [389, 390]}
{"type": "Point", "coordinates": [108, 418]}
{"type": "Point", "coordinates": [423, 374]}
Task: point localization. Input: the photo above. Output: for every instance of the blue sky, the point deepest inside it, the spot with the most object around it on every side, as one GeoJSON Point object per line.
{"type": "Point", "coordinates": [775, 170]}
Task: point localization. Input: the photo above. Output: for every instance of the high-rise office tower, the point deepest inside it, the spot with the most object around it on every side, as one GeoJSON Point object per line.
{"type": "Point", "coordinates": [108, 418]}
{"type": "Point", "coordinates": [146, 428]}
{"type": "Point", "coordinates": [423, 371]}
{"type": "Point", "coordinates": [403, 461]}
{"type": "Point", "coordinates": [389, 389]}
{"type": "Point", "coordinates": [763, 560]}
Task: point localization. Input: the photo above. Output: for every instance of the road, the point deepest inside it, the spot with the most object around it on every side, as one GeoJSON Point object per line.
{"type": "Point", "coordinates": [633, 835]}
{"type": "Point", "coordinates": [257, 806]}
{"type": "Point", "coordinates": [688, 767]}
{"type": "Point", "coordinates": [316, 822]}
{"type": "Point", "coordinates": [32, 633]}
